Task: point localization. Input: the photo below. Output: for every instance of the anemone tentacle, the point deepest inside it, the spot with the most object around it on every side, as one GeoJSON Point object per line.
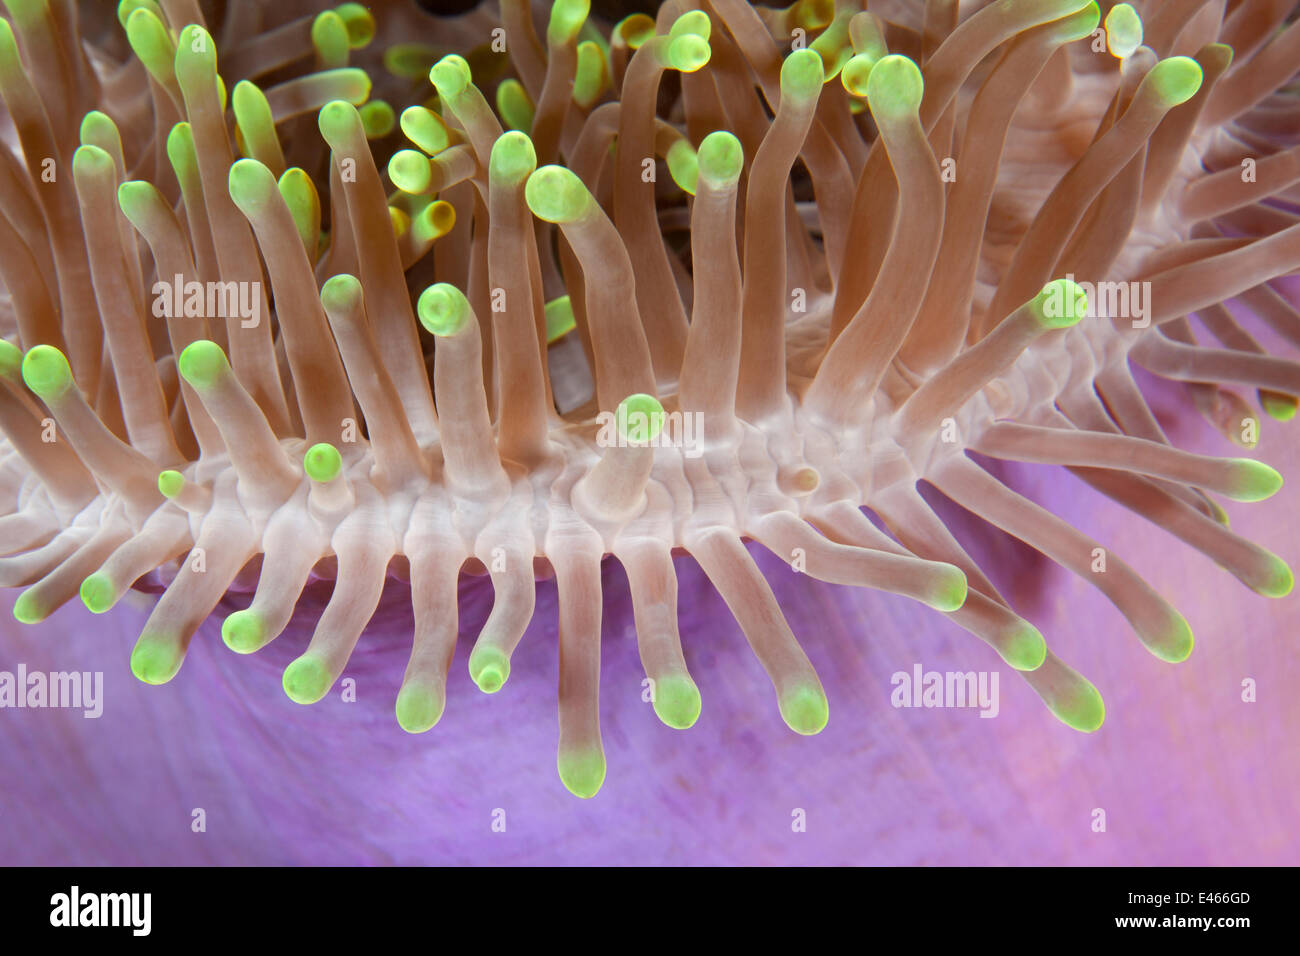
{"type": "Point", "coordinates": [732, 274]}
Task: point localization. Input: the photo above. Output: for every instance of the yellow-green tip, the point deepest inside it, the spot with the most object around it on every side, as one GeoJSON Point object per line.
{"type": "Point", "coordinates": [1079, 707]}
{"type": "Point", "coordinates": [307, 679]}
{"type": "Point", "coordinates": [802, 74]}
{"type": "Point", "coordinates": [340, 293]}
{"type": "Point", "coordinates": [1279, 407]}
{"type": "Point", "coordinates": [1061, 304]}
{"type": "Point", "coordinates": [720, 159]}
{"type": "Point", "coordinates": [683, 165]}
{"type": "Point", "coordinates": [170, 483]}
{"type": "Point", "coordinates": [1172, 642]}
{"type": "Point", "coordinates": [804, 709]}
{"type": "Point", "coordinates": [359, 21]}
{"type": "Point", "coordinates": [1278, 581]}
{"type": "Point", "coordinates": [202, 363]}
{"type": "Point", "coordinates": [513, 158]}
{"type": "Point", "coordinates": [1123, 30]}
{"type": "Point", "coordinates": [450, 76]}
{"type": "Point", "coordinates": [688, 53]}
{"type": "Point", "coordinates": [489, 668]}
{"type": "Point", "coordinates": [46, 371]}
{"type": "Point", "coordinates": [443, 309]}
{"type": "Point", "coordinates": [894, 86]}
{"type": "Point", "coordinates": [557, 195]}
{"type": "Point", "coordinates": [582, 771]}
{"type": "Point", "coordinates": [322, 462]}
{"type": "Point", "coordinates": [1025, 649]}
{"type": "Point", "coordinates": [1175, 80]}
{"type": "Point", "coordinates": [1253, 480]}
{"type": "Point", "coordinates": [560, 320]}
{"type": "Point", "coordinates": [97, 593]}
{"type": "Point", "coordinates": [950, 594]}
{"type": "Point", "coordinates": [640, 418]}
{"type": "Point", "coordinates": [419, 707]}
{"type": "Point", "coordinates": [155, 659]}
{"type": "Point", "coordinates": [29, 609]}
{"type": "Point", "coordinates": [677, 701]}
{"type": "Point", "coordinates": [243, 631]}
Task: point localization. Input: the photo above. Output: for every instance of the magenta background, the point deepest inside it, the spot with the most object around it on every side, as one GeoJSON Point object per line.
{"type": "Point", "coordinates": [1187, 772]}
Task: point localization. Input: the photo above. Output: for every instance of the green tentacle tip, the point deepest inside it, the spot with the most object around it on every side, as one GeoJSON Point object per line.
{"type": "Point", "coordinates": [591, 76]}
{"type": "Point", "coordinates": [814, 14]}
{"type": "Point", "coordinates": [1025, 649]}
{"type": "Point", "coordinates": [360, 23]}
{"type": "Point", "coordinates": [567, 18]}
{"type": "Point", "coordinates": [683, 165]}
{"type": "Point", "coordinates": [1175, 642]}
{"type": "Point", "coordinates": [1175, 79]}
{"type": "Point", "coordinates": [1061, 304]}
{"type": "Point", "coordinates": [1123, 30]}
{"type": "Point", "coordinates": [97, 129]}
{"type": "Point", "coordinates": [170, 483]}
{"type": "Point", "coordinates": [243, 631]}
{"type": "Point", "coordinates": [251, 184]}
{"type": "Point", "coordinates": [419, 707]}
{"type": "Point", "coordinates": [151, 43]}
{"type": "Point", "coordinates": [322, 462]}
{"type": "Point", "coordinates": [557, 195]}
{"type": "Point", "coordinates": [688, 53]}
{"type": "Point", "coordinates": [950, 595]}
{"type": "Point", "coordinates": [635, 30]}
{"type": "Point", "coordinates": [97, 593]}
{"type": "Point", "coordinates": [1279, 581]}
{"type": "Point", "coordinates": [560, 320]}
{"type": "Point", "coordinates": [443, 309]}
{"type": "Point", "coordinates": [330, 39]}
{"type": "Point", "coordinates": [513, 158]}
{"type": "Point", "coordinates": [804, 709]}
{"type": "Point", "coordinates": [180, 149]}
{"type": "Point", "coordinates": [299, 194]}
{"type": "Point", "coordinates": [11, 360]}
{"type": "Point", "coordinates": [410, 171]}
{"type": "Point", "coordinates": [582, 771]}
{"type": "Point", "coordinates": [691, 23]}
{"type": "Point", "coordinates": [677, 701]}
{"type": "Point", "coordinates": [1277, 406]}
{"type": "Point", "coordinates": [154, 660]}
{"type": "Point", "coordinates": [514, 105]}
{"type": "Point", "coordinates": [307, 679]}
{"type": "Point", "coordinates": [128, 7]}
{"type": "Point", "coordinates": [1253, 480]}
{"type": "Point", "coordinates": [802, 74]}
{"type": "Point", "coordinates": [489, 668]}
{"type": "Point", "coordinates": [425, 129]}
{"type": "Point", "coordinates": [29, 609]}
{"type": "Point", "coordinates": [377, 119]}
{"type": "Point", "coordinates": [640, 418]}
{"type": "Point", "coordinates": [196, 54]}
{"type": "Point", "coordinates": [92, 161]}
{"type": "Point", "coordinates": [46, 371]}
{"type": "Point", "coordinates": [895, 86]}
{"type": "Point", "coordinates": [135, 197]}
{"type": "Point", "coordinates": [336, 120]}
{"type": "Point", "coordinates": [856, 73]}
{"type": "Point", "coordinates": [721, 158]}
{"type": "Point", "coordinates": [450, 76]}
{"type": "Point", "coordinates": [1081, 708]}
{"type": "Point", "coordinates": [340, 293]}
{"type": "Point", "coordinates": [202, 363]}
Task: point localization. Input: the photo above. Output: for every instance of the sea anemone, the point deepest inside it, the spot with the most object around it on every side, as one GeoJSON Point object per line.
{"type": "Point", "coordinates": [732, 273]}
